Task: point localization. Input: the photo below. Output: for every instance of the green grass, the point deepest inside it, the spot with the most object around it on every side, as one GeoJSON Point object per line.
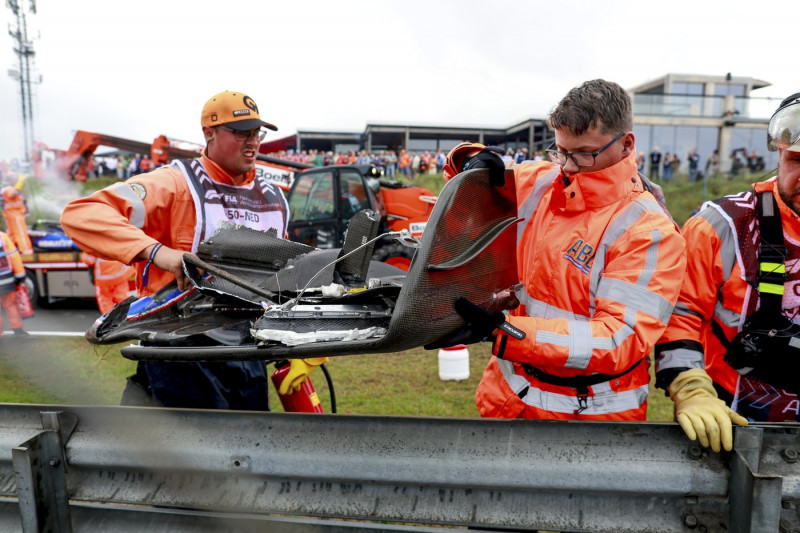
{"type": "Point", "coordinates": [71, 371]}
{"type": "Point", "coordinates": [683, 197]}
{"type": "Point", "coordinates": [66, 370]}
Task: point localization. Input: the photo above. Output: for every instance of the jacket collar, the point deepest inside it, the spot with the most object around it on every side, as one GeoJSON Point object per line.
{"type": "Point", "coordinates": [588, 190]}
{"type": "Point", "coordinates": [217, 174]}
{"type": "Point", "coordinates": [789, 219]}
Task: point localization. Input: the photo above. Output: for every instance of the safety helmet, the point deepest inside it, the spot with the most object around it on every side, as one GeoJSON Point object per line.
{"type": "Point", "coordinates": [454, 162]}
{"type": "Point", "coordinates": [784, 126]}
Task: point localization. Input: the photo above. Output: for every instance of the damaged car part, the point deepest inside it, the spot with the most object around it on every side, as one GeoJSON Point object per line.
{"type": "Point", "coordinates": [467, 250]}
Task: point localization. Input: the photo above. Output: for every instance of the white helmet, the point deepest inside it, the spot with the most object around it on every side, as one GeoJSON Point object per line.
{"type": "Point", "coordinates": [784, 126]}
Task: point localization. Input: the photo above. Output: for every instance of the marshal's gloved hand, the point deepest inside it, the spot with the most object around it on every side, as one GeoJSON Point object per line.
{"type": "Point", "coordinates": [490, 157]}
{"type": "Point", "coordinates": [480, 323]}
{"type": "Point", "coordinates": [700, 413]}
{"type": "Point", "coordinates": [298, 372]}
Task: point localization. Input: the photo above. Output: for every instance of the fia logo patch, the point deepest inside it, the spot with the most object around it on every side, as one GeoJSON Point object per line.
{"type": "Point", "coordinates": [581, 255]}
{"type": "Point", "coordinates": [139, 189]}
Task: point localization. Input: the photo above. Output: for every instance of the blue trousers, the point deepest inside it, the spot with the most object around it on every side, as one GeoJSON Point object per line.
{"type": "Point", "coordinates": [240, 385]}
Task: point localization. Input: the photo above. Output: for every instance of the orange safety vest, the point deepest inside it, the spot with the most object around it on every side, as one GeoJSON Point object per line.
{"type": "Point", "coordinates": [601, 265]}
{"type": "Point", "coordinates": [161, 206]}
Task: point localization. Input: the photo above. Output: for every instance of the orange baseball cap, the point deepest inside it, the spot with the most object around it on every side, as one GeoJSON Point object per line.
{"type": "Point", "coordinates": [236, 110]}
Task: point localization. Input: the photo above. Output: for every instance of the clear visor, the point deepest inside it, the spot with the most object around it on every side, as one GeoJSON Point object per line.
{"type": "Point", "coordinates": [784, 129]}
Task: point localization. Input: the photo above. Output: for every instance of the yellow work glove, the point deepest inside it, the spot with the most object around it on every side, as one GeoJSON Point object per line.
{"type": "Point", "coordinates": [20, 182]}
{"type": "Point", "coordinates": [298, 373]}
{"type": "Point", "coordinates": [700, 413]}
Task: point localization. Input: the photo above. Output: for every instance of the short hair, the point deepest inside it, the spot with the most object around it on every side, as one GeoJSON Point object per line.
{"type": "Point", "coordinates": [598, 103]}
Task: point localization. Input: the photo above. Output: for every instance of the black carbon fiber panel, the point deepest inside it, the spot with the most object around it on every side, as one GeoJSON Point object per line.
{"type": "Point", "coordinates": [242, 246]}
{"type": "Point", "coordinates": [361, 229]}
{"type": "Point", "coordinates": [468, 250]}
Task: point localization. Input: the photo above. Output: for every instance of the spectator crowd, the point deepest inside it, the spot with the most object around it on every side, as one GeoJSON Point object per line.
{"type": "Point", "coordinates": [659, 166]}
{"type": "Point", "coordinates": [663, 167]}
{"type": "Point", "coordinates": [409, 164]}
{"type": "Point", "coordinates": [121, 166]}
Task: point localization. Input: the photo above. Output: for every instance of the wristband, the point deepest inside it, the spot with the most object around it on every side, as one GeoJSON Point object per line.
{"type": "Point", "coordinates": [146, 269]}
{"type": "Point", "coordinates": [511, 330]}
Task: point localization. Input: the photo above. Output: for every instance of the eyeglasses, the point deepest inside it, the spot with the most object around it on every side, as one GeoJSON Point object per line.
{"type": "Point", "coordinates": [581, 159]}
{"type": "Point", "coordinates": [245, 135]}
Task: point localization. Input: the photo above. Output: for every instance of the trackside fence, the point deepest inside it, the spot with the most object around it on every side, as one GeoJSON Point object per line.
{"type": "Point", "coordinates": [76, 468]}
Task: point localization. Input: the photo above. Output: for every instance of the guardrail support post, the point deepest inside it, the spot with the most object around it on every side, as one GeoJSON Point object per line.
{"type": "Point", "coordinates": [754, 499]}
{"type": "Point", "coordinates": [40, 467]}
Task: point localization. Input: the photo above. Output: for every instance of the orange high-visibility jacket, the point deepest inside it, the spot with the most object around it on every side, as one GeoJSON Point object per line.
{"type": "Point", "coordinates": [149, 208]}
{"type": "Point", "coordinates": [11, 268]}
{"type": "Point", "coordinates": [107, 272]}
{"type": "Point", "coordinates": [716, 287]}
{"type": "Point", "coordinates": [14, 212]}
{"type": "Point", "coordinates": [13, 201]}
{"type": "Point", "coordinates": [601, 264]}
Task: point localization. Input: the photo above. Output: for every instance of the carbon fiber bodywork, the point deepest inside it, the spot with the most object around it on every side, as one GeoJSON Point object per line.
{"type": "Point", "coordinates": [467, 250]}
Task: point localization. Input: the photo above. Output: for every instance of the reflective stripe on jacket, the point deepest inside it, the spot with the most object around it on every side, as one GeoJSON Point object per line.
{"type": "Point", "coordinates": [108, 272]}
{"type": "Point", "coordinates": [720, 285]}
{"type": "Point", "coordinates": [601, 266]}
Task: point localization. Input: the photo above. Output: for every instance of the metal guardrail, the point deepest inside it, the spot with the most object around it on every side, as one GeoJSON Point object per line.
{"type": "Point", "coordinates": [65, 468]}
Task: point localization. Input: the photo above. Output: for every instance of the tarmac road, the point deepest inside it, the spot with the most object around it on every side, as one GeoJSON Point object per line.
{"type": "Point", "coordinates": [68, 317]}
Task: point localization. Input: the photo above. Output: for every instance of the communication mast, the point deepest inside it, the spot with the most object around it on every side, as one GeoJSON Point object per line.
{"type": "Point", "coordinates": [23, 47]}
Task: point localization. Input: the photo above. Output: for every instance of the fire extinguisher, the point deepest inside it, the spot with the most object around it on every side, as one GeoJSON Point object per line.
{"type": "Point", "coordinates": [24, 302]}
{"type": "Point", "coordinates": [303, 400]}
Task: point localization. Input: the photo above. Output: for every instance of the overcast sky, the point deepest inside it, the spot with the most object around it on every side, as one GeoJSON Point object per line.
{"type": "Point", "coordinates": [141, 68]}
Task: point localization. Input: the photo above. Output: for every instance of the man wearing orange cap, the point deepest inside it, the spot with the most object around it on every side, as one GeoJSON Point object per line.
{"type": "Point", "coordinates": [154, 218]}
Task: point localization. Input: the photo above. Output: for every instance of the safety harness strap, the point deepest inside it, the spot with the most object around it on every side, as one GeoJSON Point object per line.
{"type": "Point", "coordinates": [574, 381]}
{"type": "Point", "coordinates": [772, 253]}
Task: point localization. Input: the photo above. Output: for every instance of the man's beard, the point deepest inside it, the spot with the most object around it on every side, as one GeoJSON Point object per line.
{"type": "Point", "coordinates": [788, 200]}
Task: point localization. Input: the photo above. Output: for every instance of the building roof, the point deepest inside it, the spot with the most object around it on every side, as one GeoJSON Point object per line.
{"type": "Point", "coordinates": [753, 83]}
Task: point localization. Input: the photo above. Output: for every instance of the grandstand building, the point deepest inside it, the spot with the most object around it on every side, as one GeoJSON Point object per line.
{"type": "Point", "coordinates": [675, 113]}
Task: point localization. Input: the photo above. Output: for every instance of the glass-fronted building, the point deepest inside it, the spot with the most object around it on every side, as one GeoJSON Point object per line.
{"type": "Point", "coordinates": [680, 112]}
{"type": "Point", "coordinates": [675, 113]}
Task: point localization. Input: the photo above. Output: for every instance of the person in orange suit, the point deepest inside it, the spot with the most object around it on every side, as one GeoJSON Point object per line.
{"type": "Point", "coordinates": [12, 273]}
{"type": "Point", "coordinates": [110, 281]}
{"type": "Point", "coordinates": [14, 212]}
{"type": "Point", "coordinates": [600, 262]}
{"type": "Point", "coordinates": [153, 219]}
{"type": "Point", "coordinates": [736, 326]}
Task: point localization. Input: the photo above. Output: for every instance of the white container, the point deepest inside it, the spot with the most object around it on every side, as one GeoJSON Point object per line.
{"type": "Point", "coordinates": [454, 363]}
